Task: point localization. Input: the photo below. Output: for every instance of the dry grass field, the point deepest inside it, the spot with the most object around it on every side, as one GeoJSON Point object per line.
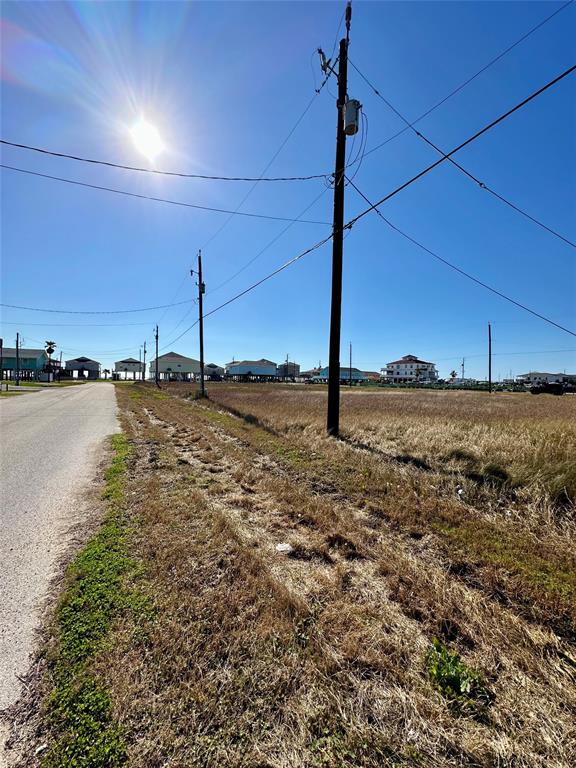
{"type": "Point", "coordinates": [424, 614]}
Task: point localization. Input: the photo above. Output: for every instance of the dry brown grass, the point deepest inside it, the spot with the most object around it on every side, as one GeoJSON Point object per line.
{"type": "Point", "coordinates": [255, 658]}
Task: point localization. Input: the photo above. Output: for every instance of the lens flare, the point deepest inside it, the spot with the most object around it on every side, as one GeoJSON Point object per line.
{"type": "Point", "coordinates": [147, 140]}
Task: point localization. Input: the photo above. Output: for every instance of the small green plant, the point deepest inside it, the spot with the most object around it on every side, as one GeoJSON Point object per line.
{"type": "Point", "coordinates": [462, 686]}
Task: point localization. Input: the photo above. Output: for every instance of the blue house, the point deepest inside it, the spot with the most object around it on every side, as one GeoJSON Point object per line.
{"type": "Point", "coordinates": [346, 375]}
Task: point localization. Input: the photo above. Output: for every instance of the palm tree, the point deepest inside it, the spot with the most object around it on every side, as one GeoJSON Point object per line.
{"type": "Point", "coordinates": [50, 346]}
{"type": "Point", "coordinates": [106, 371]}
{"type": "Point", "coordinates": [453, 375]}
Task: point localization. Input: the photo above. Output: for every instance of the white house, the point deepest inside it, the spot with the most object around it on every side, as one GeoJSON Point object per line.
{"type": "Point", "coordinates": [252, 369]}
{"type": "Point", "coordinates": [174, 367]}
{"type": "Point", "coordinates": [129, 365]}
{"type": "Point", "coordinates": [83, 365]}
{"type": "Point", "coordinates": [538, 377]}
{"type": "Point", "coordinates": [409, 369]}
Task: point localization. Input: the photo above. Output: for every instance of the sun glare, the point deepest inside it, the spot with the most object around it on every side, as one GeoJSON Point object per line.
{"type": "Point", "coordinates": [147, 140]}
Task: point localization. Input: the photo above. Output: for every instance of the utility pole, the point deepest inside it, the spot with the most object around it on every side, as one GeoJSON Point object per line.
{"type": "Point", "coordinates": [17, 379]}
{"type": "Point", "coordinates": [139, 363]}
{"type": "Point", "coordinates": [144, 366]}
{"type": "Point", "coordinates": [156, 377]}
{"type": "Point", "coordinates": [489, 358]}
{"type": "Point", "coordinates": [201, 291]}
{"type": "Point", "coordinates": [462, 366]}
{"type": "Point", "coordinates": [1, 363]}
{"type": "Point", "coordinates": [333, 417]}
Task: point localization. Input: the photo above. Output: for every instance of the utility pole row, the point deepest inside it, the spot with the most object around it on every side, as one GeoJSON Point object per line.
{"type": "Point", "coordinates": [201, 291]}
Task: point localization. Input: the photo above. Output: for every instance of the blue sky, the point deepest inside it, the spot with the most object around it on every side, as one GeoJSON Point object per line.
{"type": "Point", "coordinates": [225, 83]}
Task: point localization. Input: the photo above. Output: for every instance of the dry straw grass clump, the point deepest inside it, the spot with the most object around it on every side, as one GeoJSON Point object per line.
{"type": "Point", "coordinates": [407, 625]}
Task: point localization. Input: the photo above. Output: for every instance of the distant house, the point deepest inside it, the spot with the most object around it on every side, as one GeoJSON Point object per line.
{"type": "Point", "coordinates": [307, 375]}
{"type": "Point", "coordinates": [409, 369]}
{"type": "Point", "coordinates": [30, 365]}
{"type": "Point", "coordinates": [175, 367]}
{"type": "Point", "coordinates": [346, 375]}
{"type": "Point", "coordinates": [539, 377]}
{"type": "Point", "coordinates": [129, 365]}
{"type": "Point", "coordinates": [83, 367]}
{"type": "Point", "coordinates": [288, 370]}
{"type": "Point", "coordinates": [252, 370]}
{"type": "Point", "coordinates": [213, 371]}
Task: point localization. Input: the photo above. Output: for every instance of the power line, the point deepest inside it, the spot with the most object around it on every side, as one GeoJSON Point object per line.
{"type": "Point", "coordinates": [92, 161]}
{"type": "Point", "coordinates": [461, 146]}
{"type": "Point", "coordinates": [374, 207]}
{"type": "Point", "coordinates": [473, 77]}
{"type": "Point", "coordinates": [71, 325]}
{"type": "Point", "coordinates": [457, 165]}
{"type": "Point", "coordinates": [158, 199]}
{"type": "Point", "coordinates": [95, 311]}
{"type": "Point", "coordinates": [281, 268]}
{"type": "Point", "coordinates": [255, 184]}
{"type": "Point", "coordinates": [267, 246]}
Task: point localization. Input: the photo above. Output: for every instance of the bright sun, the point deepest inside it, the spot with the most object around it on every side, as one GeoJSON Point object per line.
{"type": "Point", "coordinates": [147, 140]}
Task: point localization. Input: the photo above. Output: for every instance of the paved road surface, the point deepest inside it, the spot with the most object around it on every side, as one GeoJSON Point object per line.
{"type": "Point", "coordinates": [49, 448]}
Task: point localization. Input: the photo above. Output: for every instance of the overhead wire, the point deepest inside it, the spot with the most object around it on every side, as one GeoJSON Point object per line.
{"type": "Point", "coordinates": [461, 146]}
{"type": "Point", "coordinates": [374, 207]}
{"type": "Point", "coordinates": [266, 247]}
{"type": "Point", "coordinates": [250, 288]}
{"type": "Point", "coordinates": [350, 223]}
{"type": "Point", "coordinates": [95, 311]}
{"type": "Point", "coordinates": [457, 165]}
{"type": "Point", "coordinates": [155, 171]}
{"type": "Point", "coordinates": [158, 199]}
{"type": "Point", "coordinates": [472, 77]}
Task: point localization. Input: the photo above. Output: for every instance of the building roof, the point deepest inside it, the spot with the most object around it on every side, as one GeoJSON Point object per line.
{"type": "Point", "coordinates": [128, 360]}
{"type": "Point", "coordinates": [542, 373]}
{"type": "Point", "coordinates": [175, 355]}
{"type": "Point", "coordinates": [262, 361]}
{"type": "Point", "coordinates": [82, 360]}
{"type": "Point", "coordinates": [213, 365]}
{"type": "Point", "coordinates": [409, 359]}
{"type": "Point", "coordinates": [23, 352]}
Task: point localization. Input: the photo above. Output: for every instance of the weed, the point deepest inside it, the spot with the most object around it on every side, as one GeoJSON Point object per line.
{"type": "Point", "coordinates": [462, 686]}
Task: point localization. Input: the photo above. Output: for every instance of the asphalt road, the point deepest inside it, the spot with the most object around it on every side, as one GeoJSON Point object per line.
{"type": "Point", "coordinates": [50, 444]}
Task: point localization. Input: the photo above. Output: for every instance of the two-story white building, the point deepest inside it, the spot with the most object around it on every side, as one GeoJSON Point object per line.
{"type": "Point", "coordinates": [409, 369]}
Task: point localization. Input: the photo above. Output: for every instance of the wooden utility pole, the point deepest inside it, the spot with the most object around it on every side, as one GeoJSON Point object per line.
{"type": "Point", "coordinates": [156, 377]}
{"type": "Point", "coordinates": [201, 291]}
{"type": "Point", "coordinates": [17, 378]}
{"type": "Point", "coordinates": [144, 365]}
{"type": "Point", "coordinates": [489, 358]}
{"type": "Point", "coordinates": [333, 417]}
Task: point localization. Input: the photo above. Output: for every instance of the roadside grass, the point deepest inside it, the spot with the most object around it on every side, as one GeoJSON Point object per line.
{"type": "Point", "coordinates": [10, 394]}
{"type": "Point", "coordinates": [323, 657]}
{"type": "Point", "coordinates": [506, 554]}
{"type": "Point", "coordinates": [97, 590]}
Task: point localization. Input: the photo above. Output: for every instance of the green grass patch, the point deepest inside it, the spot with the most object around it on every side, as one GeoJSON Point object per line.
{"type": "Point", "coordinates": [462, 686]}
{"type": "Point", "coordinates": [96, 593]}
